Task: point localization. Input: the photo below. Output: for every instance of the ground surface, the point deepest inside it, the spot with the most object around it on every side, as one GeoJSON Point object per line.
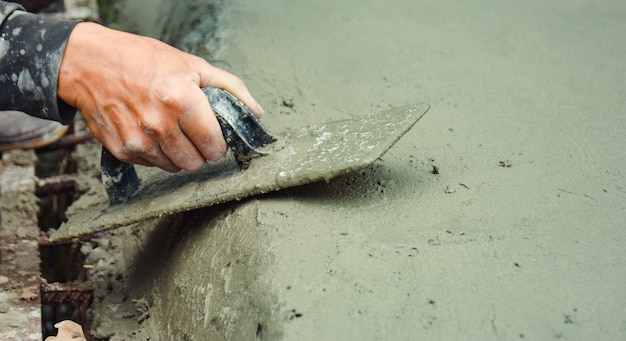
{"type": "Point", "coordinates": [519, 234]}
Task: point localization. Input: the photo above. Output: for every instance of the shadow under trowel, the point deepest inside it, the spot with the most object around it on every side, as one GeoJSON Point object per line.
{"type": "Point", "coordinates": [356, 189]}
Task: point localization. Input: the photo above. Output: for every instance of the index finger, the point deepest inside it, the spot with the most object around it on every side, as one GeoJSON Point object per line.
{"type": "Point", "coordinates": [218, 78]}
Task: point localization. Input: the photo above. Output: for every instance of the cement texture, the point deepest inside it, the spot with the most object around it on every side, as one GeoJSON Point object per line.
{"type": "Point", "coordinates": [499, 216]}
{"type": "Point", "coordinates": [309, 154]}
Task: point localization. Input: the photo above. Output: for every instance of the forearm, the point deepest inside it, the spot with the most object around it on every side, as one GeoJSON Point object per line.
{"type": "Point", "coordinates": [31, 49]}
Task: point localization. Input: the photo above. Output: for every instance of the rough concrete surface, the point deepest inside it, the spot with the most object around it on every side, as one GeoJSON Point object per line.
{"type": "Point", "coordinates": [20, 302]}
{"type": "Point", "coordinates": [499, 216]}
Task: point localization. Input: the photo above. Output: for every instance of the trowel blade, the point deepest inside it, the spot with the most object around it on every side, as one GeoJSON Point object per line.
{"type": "Point", "coordinates": [313, 153]}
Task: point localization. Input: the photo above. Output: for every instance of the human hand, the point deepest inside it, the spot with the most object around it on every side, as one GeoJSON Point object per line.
{"type": "Point", "coordinates": [142, 98]}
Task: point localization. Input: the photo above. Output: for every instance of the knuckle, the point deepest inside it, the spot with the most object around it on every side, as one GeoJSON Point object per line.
{"type": "Point", "coordinates": [135, 145]}
{"type": "Point", "coordinates": [170, 97]}
{"type": "Point", "coordinates": [238, 82]}
{"type": "Point", "coordinates": [152, 125]}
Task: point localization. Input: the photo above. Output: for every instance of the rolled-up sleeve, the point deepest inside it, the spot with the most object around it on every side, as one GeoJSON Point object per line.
{"type": "Point", "coordinates": [31, 49]}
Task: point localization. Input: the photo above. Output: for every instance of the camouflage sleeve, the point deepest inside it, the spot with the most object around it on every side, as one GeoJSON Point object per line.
{"type": "Point", "coordinates": [31, 48]}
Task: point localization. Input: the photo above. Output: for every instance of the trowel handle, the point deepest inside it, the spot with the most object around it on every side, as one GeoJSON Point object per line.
{"type": "Point", "coordinates": [243, 132]}
{"type": "Point", "coordinates": [119, 178]}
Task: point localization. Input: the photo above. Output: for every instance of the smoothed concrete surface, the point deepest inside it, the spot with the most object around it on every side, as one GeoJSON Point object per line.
{"type": "Point", "coordinates": [519, 234]}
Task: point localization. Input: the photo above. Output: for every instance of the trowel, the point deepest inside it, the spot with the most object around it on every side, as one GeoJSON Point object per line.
{"type": "Point", "coordinates": [258, 162]}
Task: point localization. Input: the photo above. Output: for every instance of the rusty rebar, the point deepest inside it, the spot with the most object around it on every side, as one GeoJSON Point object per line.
{"type": "Point", "coordinates": [57, 184]}
{"type": "Point", "coordinates": [69, 140]}
{"type": "Point", "coordinates": [80, 293]}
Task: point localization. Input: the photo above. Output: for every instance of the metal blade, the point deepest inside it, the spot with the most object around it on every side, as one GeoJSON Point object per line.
{"type": "Point", "coordinates": [313, 153]}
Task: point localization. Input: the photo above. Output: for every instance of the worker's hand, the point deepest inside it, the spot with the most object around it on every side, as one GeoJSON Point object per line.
{"type": "Point", "coordinates": [142, 98]}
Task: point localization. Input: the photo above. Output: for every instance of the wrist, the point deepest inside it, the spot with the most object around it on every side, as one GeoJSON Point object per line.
{"type": "Point", "coordinates": [84, 62]}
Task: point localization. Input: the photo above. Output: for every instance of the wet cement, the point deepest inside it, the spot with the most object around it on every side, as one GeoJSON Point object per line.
{"type": "Point", "coordinates": [499, 216]}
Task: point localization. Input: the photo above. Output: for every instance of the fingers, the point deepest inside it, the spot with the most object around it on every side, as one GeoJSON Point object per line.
{"type": "Point", "coordinates": [151, 156]}
{"type": "Point", "coordinates": [135, 148]}
{"type": "Point", "coordinates": [172, 156]}
{"type": "Point", "coordinates": [199, 124]}
{"type": "Point", "coordinates": [184, 134]}
{"type": "Point", "coordinates": [153, 141]}
{"type": "Point", "coordinates": [180, 132]}
{"type": "Point", "coordinates": [126, 142]}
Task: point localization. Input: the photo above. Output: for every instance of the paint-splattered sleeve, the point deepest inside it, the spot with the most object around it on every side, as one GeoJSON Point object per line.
{"type": "Point", "coordinates": [31, 48]}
